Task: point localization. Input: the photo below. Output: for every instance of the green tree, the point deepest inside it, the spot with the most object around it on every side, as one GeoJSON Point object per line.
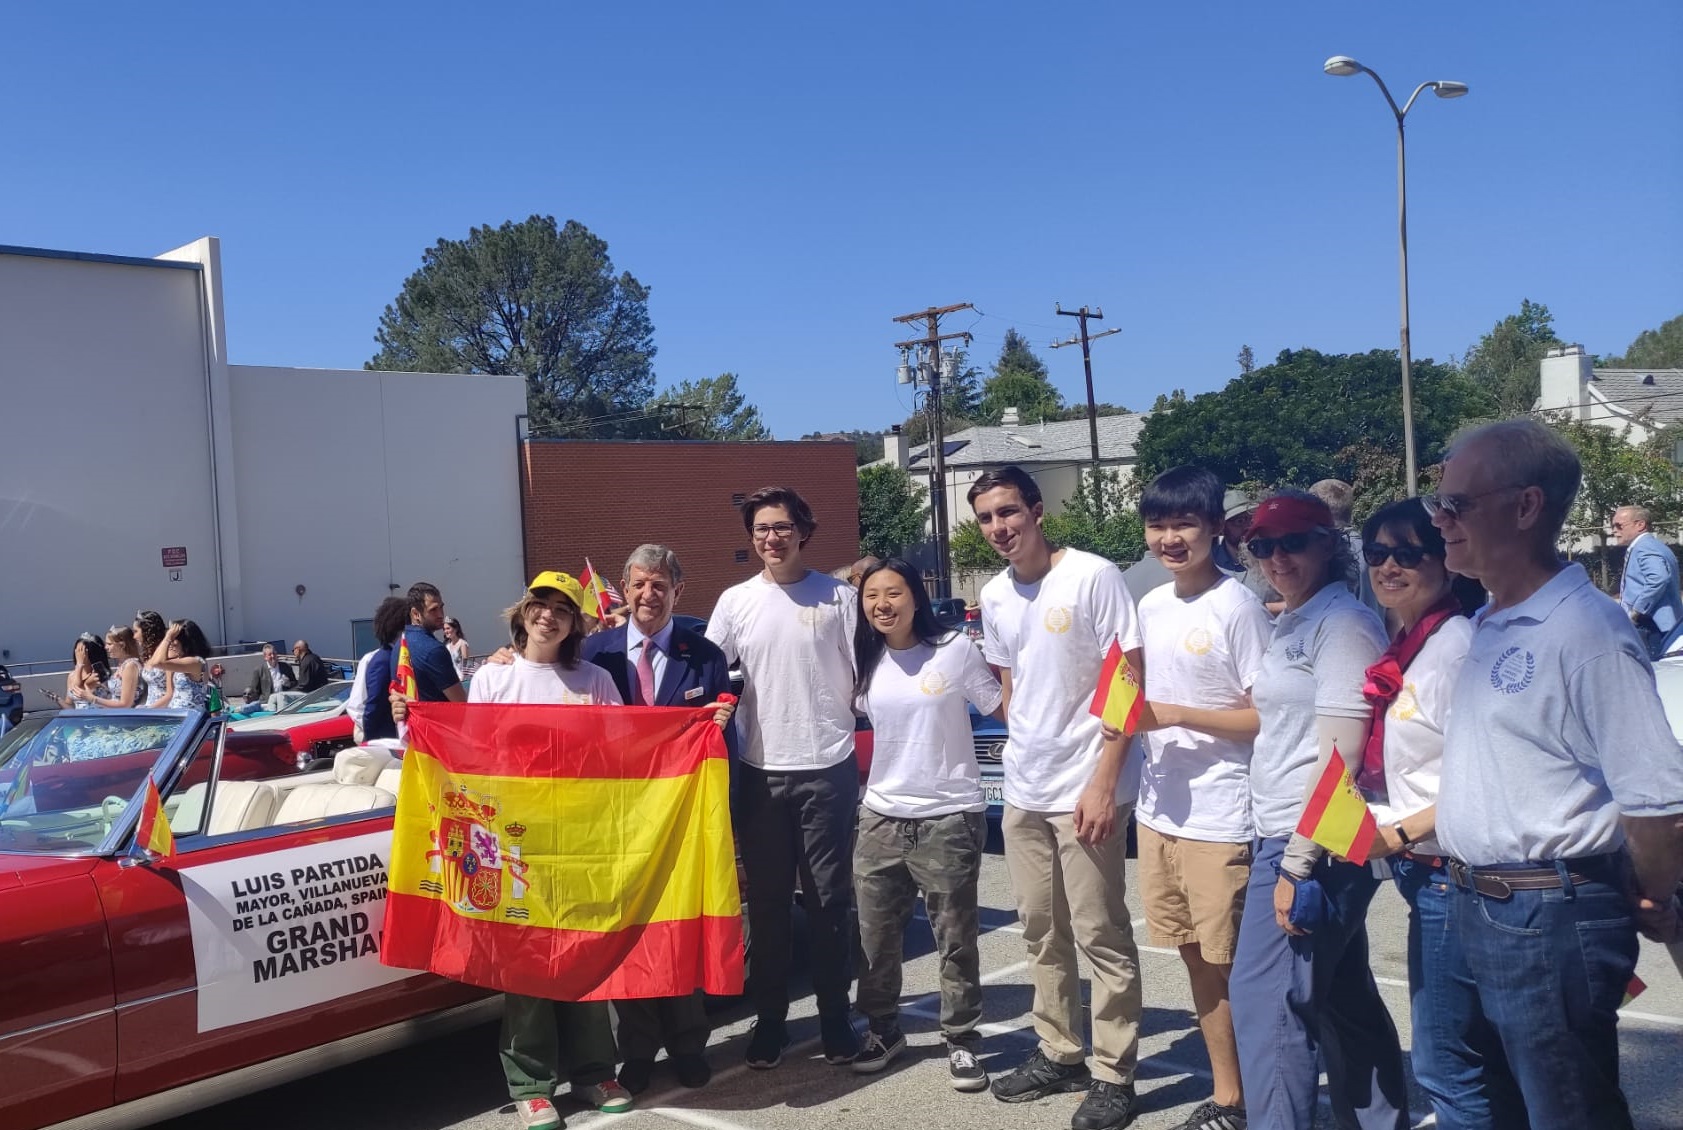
{"type": "Point", "coordinates": [1653, 349]}
{"type": "Point", "coordinates": [534, 300]}
{"type": "Point", "coordinates": [1616, 474]}
{"type": "Point", "coordinates": [1247, 360]}
{"type": "Point", "coordinates": [1506, 361]}
{"type": "Point", "coordinates": [1100, 518]}
{"type": "Point", "coordinates": [970, 551]}
{"type": "Point", "coordinates": [961, 397]}
{"type": "Point", "coordinates": [891, 511]}
{"type": "Point", "coordinates": [1295, 421]}
{"type": "Point", "coordinates": [711, 408]}
{"type": "Point", "coordinates": [1019, 381]}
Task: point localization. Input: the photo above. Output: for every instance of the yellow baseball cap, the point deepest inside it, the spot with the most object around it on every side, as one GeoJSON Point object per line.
{"type": "Point", "coordinates": [564, 583]}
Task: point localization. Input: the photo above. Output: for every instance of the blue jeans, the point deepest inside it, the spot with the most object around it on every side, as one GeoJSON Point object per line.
{"type": "Point", "coordinates": [1445, 1064]}
{"type": "Point", "coordinates": [1299, 1002]}
{"type": "Point", "coordinates": [1544, 974]}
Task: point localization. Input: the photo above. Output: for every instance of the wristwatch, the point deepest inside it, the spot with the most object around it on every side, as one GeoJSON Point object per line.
{"type": "Point", "coordinates": [1403, 836]}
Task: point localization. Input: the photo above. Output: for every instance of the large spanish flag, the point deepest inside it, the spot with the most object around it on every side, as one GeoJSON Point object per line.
{"type": "Point", "coordinates": [567, 852]}
{"type": "Point", "coordinates": [1336, 817]}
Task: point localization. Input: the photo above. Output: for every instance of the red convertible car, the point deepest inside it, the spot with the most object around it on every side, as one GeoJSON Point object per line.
{"type": "Point", "coordinates": [134, 987]}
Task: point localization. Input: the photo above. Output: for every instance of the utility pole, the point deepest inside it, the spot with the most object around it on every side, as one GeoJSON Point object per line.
{"type": "Point", "coordinates": [1096, 315]}
{"type": "Point", "coordinates": [931, 344]}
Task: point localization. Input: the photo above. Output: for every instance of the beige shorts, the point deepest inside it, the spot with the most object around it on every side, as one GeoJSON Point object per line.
{"type": "Point", "coordinates": [1193, 891]}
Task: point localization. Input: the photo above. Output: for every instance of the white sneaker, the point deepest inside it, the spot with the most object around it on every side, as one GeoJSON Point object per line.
{"type": "Point", "coordinates": [537, 1114]}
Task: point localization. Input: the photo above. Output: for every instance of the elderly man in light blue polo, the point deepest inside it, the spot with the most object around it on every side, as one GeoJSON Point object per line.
{"type": "Point", "coordinates": [1561, 803]}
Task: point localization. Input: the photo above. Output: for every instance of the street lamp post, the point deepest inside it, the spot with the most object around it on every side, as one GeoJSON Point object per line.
{"type": "Point", "coordinates": [1342, 66]}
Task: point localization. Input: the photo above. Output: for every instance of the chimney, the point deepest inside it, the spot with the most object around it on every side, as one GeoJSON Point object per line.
{"type": "Point", "coordinates": [1563, 380]}
{"type": "Point", "coordinates": [1009, 418]}
{"type": "Point", "coordinates": [894, 447]}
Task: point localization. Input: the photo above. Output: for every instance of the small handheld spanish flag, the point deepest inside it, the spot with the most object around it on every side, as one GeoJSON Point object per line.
{"type": "Point", "coordinates": [1118, 701]}
{"type": "Point", "coordinates": [153, 832]}
{"type": "Point", "coordinates": [1336, 817]}
{"type": "Point", "coordinates": [596, 590]}
{"type": "Point", "coordinates": [403, 679]}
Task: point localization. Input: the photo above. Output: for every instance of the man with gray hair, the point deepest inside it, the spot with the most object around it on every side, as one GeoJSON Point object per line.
{"type": "Point", "coordinates": [1648, 589]}
{"type": "Point", "coordinates": [1561, 803]}
{"type": "Point", "coordinates": [655, 662]}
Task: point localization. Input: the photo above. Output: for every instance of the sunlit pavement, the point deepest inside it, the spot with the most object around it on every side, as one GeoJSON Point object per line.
{"type": "Point", "coordinates": [456, 1083]}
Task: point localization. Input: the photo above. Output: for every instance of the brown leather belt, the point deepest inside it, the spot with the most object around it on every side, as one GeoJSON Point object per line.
{"type": "Point", "coordinates": [1502, 884]}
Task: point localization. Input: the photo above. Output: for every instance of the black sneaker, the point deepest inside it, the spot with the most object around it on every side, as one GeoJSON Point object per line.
{"type": "Point", "coordinates": [1108, 1106]}
{"type": "Point", "coordinates": [879, 1048]}
{"type": "Point", "coordinates": [841, 1042]}
{"type": "Point", "coordinates": [1038, 1077]}
{"type": "Point", "coordinates": [1213, 1116]}
{"type": "Point", "coordinates": [636, 1075]}
{"type": "Point", "coordinates": [692, 1070]}
{"type": "Point", "coordinates": [766, 1041]}
{"type": "Point", "coordinates": [966, 1070]}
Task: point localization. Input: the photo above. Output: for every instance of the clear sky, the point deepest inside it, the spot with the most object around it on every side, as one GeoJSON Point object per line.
{"type": "Point", "coordinates": [789, 176]}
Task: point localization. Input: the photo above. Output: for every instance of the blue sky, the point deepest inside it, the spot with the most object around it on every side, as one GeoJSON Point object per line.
{"type": "Point", "coordinates": [788, 177]}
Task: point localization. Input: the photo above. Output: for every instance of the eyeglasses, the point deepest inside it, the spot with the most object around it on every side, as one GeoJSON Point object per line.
{"type": "Point", "coordinates": [1263, 548]}
{"type": "Point", "coordinates": [1455, 505]}
{"type": "Point", "coordinates": [1407, 556]}
{"type": "Point", "coordinates": [781, 529]}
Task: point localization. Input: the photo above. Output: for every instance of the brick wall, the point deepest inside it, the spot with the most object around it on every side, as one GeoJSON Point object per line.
{"type": "Point", "coordinates": [588, 499]}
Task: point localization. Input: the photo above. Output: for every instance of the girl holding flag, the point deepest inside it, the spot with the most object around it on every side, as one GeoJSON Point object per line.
{"type": "Point", "coordinates": [1301, 990]}
{"type": "Point", "coordinates": [1409, 689]}
{"type": "Point", "coordinates": [923, 818]}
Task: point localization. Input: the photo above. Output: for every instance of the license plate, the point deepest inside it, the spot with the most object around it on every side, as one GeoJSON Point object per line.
{"type": "Point", "coordinates": [993, 792]}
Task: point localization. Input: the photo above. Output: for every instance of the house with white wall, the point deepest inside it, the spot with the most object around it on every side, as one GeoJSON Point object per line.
{"type": "Point", "coordinates": [1635, 402]}
{"type": "Point", "coordinates": [140, 468]}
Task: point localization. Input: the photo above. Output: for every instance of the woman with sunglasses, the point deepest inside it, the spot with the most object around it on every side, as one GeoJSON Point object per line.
{"type": "Point", "coordinates": [1409, 689]}
{"type": "Point", "coordinates": [1302, 993]}
{"type": "Point", "coordinates": [923, 818]}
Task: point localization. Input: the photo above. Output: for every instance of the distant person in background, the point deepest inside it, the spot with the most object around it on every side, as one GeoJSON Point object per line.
{"type": "Point", "coordinates": [1231, 557]}
{"type": "Point", "coordinates": [1339, 497]}
{"type": "Point", "coordinates": [860, 567]}
{"type": "Point", "coordinates": [1144, 575]}
{"type": "Point", "coordinates": [181, 655]}
{"type": "Point", "coordinates": [456, 644]}
{"type": "Point", "coordinates": [435, 676]}
{"type": "Point", "coordinates": [270, 677]}
{"type": "Point", "coordinates": [125, 688]}
{"type": "Point", "coordinates": [149, 629]}
{"type": "Point", "coordinates": [1648, 589]}
{"type": "Point", "coordinates": [312, 672]}
{"type": "Point", "coordinates": [369, 705]}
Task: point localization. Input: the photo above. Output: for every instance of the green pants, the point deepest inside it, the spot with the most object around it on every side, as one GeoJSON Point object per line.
{"type": "Point", "coordinates": [542, 1038]}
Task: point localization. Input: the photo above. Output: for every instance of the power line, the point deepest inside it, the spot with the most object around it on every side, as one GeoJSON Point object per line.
{"type": "Point", "coordinates": [930, 345]}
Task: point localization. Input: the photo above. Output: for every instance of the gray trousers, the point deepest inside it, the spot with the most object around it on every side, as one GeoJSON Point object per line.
{"type": "Point", "coordinates": [892, 860]}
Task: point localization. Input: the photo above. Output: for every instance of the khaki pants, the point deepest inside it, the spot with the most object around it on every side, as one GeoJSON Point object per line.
{"type": "Point", "coordinates": [1070, 894]}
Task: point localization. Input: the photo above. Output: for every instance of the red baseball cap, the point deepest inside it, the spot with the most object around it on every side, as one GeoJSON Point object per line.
{"type": "Point", "coordinates": [1289, 514]}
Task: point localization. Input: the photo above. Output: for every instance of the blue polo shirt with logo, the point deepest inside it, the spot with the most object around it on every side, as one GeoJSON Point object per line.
{"type": "Point", "coordinates": [1555, 731]}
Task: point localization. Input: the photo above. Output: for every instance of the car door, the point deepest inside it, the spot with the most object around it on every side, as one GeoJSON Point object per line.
{"type": "Point", "coordinates": [250, 943]}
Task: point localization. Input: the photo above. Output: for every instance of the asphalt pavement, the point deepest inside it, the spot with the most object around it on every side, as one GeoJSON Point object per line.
{"type": "Point", "coordinates": [455, 1083]}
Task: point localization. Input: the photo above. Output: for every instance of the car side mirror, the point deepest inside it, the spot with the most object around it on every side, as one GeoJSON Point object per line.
{"type": "Point", "coordinates": [138, 856]}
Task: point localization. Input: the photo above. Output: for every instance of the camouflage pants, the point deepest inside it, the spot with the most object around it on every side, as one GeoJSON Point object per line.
{"type": "Point", "coordinates": [892, 861]}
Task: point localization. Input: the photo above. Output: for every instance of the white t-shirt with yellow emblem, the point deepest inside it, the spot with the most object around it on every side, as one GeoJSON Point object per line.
{"type": "Point", "coordinates": [924, 761]}
{"type": "Point", "coordinates": [1415, 723]}
{"type": "Point", "coordinates": [1053, 636]}
{"type": "Point", "coordinates": [1203, 652]}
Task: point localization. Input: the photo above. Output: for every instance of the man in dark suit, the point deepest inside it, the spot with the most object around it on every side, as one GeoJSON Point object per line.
{"type": "Point", "coordinates": [655, 662]}
{"type": "Point", "coordinates": [270, 677]}
{"type": "Point", "coordinates": [312, 674]}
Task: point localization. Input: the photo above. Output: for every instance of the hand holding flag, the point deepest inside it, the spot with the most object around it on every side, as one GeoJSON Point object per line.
{"type": "Point", "coordinates": [1336, 817]}
{"type": "Point", "coordinates": [1118, 701]}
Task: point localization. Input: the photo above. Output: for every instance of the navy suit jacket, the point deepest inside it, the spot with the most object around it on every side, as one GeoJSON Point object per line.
{"type": "Point", "coordinates": [693, 661]}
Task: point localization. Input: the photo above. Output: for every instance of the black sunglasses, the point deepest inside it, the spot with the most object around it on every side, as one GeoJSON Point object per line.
{"type": "Point", "coordinates": [1408, 556]}
{"type": "Point", "coordinates": [1263, 548]}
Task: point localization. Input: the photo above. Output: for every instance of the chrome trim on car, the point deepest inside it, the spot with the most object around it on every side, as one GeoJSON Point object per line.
{"type": "Point", "coordinates": [285, 1069]}
{"type": "Point", "coordinates": [51, 1024]}
{"type": "Point", "coordinates": [990, 748]}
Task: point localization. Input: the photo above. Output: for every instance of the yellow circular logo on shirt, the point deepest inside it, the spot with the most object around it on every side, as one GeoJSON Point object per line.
{"type": "Point", "coordinates": [1059, 620]}
{"type": "Point", "coordinates": [933, 683]}
{"type": "Point", "coordinates": [1406, 706]}
{"type": "Point", "coordinates": [1198, 641]}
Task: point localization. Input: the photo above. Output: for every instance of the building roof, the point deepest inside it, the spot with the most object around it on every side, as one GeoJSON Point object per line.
{"type": "Point", "coordinates": [1062, 442]}
{"type": "Point", "coordinates": [1641, 394]}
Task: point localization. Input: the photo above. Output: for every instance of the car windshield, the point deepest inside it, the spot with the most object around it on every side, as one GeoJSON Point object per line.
{"type": "Point", "coordinates": [67, 778]}
{"type": "Point", "coordinates": [317, 701]}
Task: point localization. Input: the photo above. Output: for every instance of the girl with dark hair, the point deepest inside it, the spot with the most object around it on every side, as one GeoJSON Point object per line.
{"type": "Point", "coordinates": [149, 629]}
{"type": "Point", "coordinates": [88, 673]}
{"type": "Point", "coordinates": [369, 703]}
{"type": "Point", "coordinates": [1409, 689]}
{"type": "Point", "coordinates": [181, 655]}
{"type": "Point", "coordinates": [923, 818]}
{"type": "Point", "coordinates": [456, 644]}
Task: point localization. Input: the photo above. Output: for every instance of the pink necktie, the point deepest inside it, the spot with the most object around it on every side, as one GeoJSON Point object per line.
{"type": "Point", "coordinates": [645, 673]}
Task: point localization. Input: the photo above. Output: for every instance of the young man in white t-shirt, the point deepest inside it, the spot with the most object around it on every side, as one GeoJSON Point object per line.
{"type": "Point", "coordinates": [1049, 619]}
{"type": "Point", "coordinates": [1205, 636]}
{"type": "Point", "coordinates": [798, 784]}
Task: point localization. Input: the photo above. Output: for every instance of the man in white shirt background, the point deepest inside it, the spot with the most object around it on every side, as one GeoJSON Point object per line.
{"type": "Point", "coordinates": [798, 784]}
{"type": "Point", "coordinates": [1049, 620]}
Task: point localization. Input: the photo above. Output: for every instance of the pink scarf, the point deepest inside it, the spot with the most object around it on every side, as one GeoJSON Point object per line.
{"type": "Point", "coordinates": [1385, 683]}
